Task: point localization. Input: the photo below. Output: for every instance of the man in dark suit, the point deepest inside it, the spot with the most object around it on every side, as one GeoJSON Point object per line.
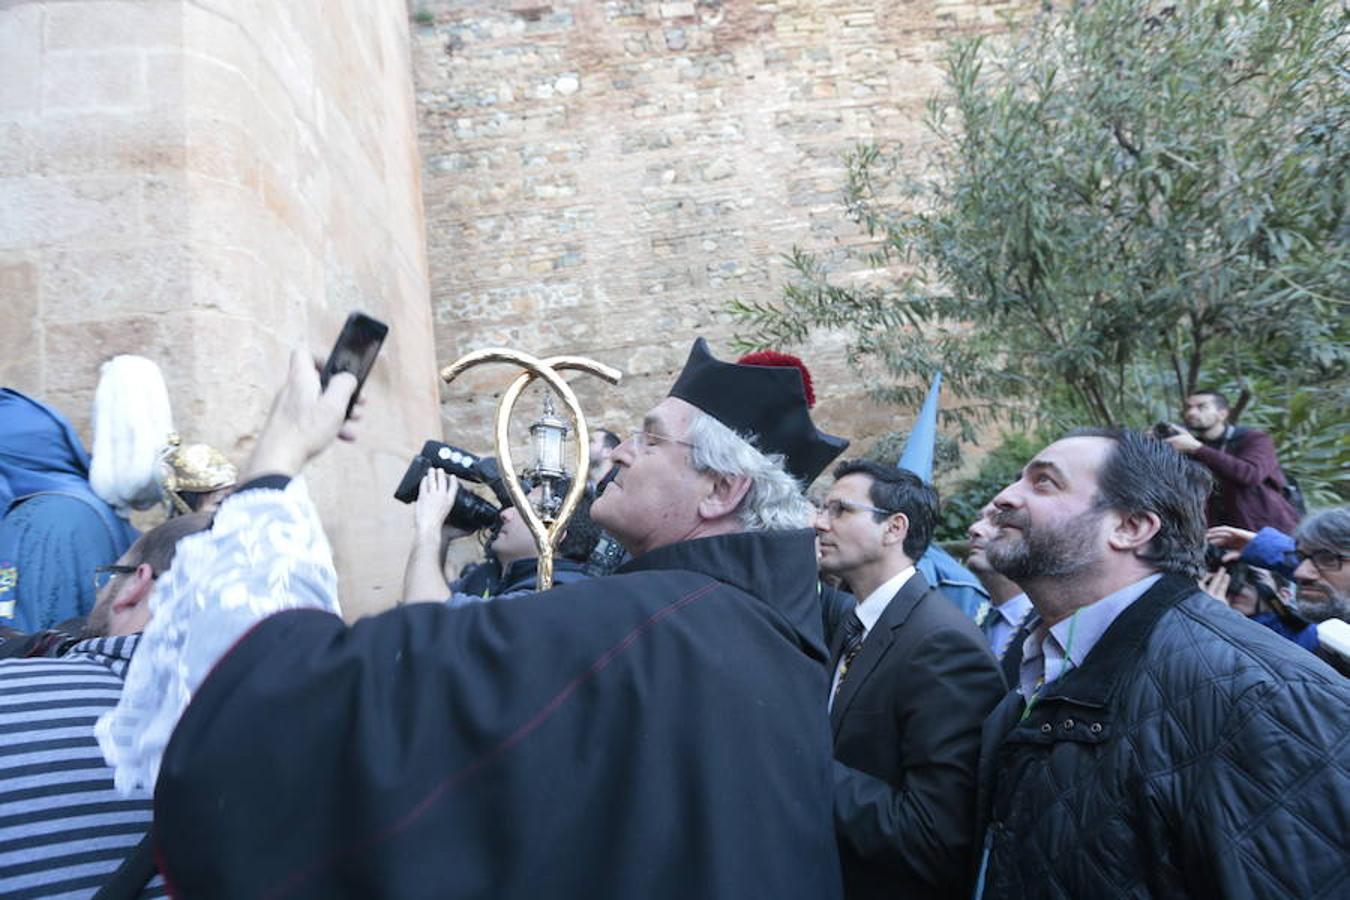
{"type": "Point", "coordinates": [912, 681]}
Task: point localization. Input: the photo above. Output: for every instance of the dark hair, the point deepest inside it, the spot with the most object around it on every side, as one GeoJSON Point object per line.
{"type": "Point", "coordinates": [611, 439]}
{"type": "Point", "coordinates": [582, 532]}
{"type": "Point", "coordinates": [898, 490]}
{"type": "Point", "coordinates": [156, 548]}
{"type": "Point", "coordinates": [1219, 399]}
{"type": "Point", "coordinates": [1326, 529]}
{"type": "Point", "coordinates": [1142, 474]}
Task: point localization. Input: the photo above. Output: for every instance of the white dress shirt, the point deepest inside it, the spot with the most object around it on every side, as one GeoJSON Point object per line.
{"type": "Point", "coordinates": [869, 613]}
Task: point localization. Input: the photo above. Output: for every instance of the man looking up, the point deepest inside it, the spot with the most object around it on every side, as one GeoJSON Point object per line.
{"type": "Point", "coordinates": [1152, 727]}
{"type": "Point", "coordinates": [653, 734]}
{"type": "Point", "coordinates": [1248, 481]}
{"type": "Point", "coordinates": [58, 810]}
{"type": "Point", "coordinates": [913, 680]}
{"type": "Point", "coordinates": [1008, 604]}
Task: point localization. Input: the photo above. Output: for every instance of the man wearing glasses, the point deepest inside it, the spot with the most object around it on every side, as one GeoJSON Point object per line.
{"type": "Point", "coordinates": [913, 680]}
{"type": "Point", "coordinates": [654, 734]}
{"type": "Point", "coordinates": [58, 809]}
{"type": "Point", "coordinates": [1157, 744]}
{"type": "Point", "coordinates": [1315, 557]}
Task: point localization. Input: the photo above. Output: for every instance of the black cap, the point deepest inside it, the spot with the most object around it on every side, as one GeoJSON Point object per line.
{"type": "Point", "coordinates": [766, 404]}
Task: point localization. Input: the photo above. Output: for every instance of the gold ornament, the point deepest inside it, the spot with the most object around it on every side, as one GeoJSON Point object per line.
{"type": "Point", "coordinates": [546, 535]}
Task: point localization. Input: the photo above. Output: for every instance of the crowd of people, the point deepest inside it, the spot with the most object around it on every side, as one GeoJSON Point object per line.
{"type": "Point", "coordinates": [761, 693]}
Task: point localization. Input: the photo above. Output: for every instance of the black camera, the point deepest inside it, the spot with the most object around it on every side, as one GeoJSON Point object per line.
{"type": "Point", "coordinates": [1164, 430]}
{"type": "Point", "coordinates": [470, 512]}
{"type": "Point", "coordinates": [1214, 558]}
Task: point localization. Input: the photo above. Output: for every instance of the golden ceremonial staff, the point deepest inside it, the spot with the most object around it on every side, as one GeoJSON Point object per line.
{"type": "Point", "coordinates": [548, 435]}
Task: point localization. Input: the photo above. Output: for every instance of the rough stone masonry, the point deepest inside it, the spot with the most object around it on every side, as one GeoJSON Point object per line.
{"type": "Point", "coordinates": [602, 177]}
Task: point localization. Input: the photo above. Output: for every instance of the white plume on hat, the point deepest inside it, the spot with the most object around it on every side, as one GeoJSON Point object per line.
{"type": "Point", "coordinates": [132, 424]}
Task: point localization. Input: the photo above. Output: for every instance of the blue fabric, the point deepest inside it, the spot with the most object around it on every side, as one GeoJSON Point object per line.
{"type": "Point", "coordinates": [917, 456]}
{"type": "Point", "coordinates": [54, 530]}
{"type": "Point", "coordinates": [519, 579]}
{"type": "Point", "coordinates": [1301, 633]}
{"type": "Point", "coordinates": [51, 544]}
{"type": "Point", "coordinates": [39, 450]}
{"type": "Point", "coordinates": [957, 582]}
{"type": "Point", "coordinates": [1271, 549]}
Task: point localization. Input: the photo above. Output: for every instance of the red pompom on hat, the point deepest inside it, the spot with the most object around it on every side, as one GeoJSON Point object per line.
{"type": "Point", "coordinates": [774, 358]}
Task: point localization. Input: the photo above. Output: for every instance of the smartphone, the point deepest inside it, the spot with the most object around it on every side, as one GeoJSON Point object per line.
{"type": "Point", "coordinates": [355, 351]}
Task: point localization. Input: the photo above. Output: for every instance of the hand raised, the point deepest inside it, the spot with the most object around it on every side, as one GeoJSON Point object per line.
{"type": "Point", "coordinates": [1184, 442]}
{"type": "Point", "coordinates": [1233, 540]}
{"type": "Point", "coordinates": [304, 420]}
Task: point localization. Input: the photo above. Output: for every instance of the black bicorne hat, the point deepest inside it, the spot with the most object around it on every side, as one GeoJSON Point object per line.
{"type": "Point", "coordinates": [766, 404]}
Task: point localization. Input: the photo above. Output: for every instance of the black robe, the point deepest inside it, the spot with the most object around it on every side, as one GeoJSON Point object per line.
{"type": "Point", "coordinates": [660, 733]}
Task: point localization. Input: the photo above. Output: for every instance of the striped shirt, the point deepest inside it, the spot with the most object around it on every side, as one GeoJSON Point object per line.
{"type": "Point", "coordinates": [63, 828]}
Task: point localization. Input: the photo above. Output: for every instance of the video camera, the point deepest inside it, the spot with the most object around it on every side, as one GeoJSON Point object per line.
{"type": "Point", "coordinates": [470, 512]}
{"type": "Point", "coordinates": [1164, 430]}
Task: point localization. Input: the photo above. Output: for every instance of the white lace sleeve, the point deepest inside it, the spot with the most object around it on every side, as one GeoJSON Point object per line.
{"type": "Point", "coordinates": [265, 552]}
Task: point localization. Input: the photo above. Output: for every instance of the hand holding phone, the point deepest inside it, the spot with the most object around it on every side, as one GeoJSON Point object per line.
{"type": "Point", "coordinates": [355, 351]}
{"type": "Point", "coordinates": [304, 420]}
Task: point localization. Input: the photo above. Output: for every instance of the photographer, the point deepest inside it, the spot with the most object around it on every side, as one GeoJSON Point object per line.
{"type": "Point", "coordinates": [1248, 481]}
{"type": "Point", "coordinates": [512, 546]}
{"type": "Point", "coordinates": [1262, 596]}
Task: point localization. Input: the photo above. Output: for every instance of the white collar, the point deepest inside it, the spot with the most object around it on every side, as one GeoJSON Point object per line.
{"type": "Point", "coordinates": [869, 611]}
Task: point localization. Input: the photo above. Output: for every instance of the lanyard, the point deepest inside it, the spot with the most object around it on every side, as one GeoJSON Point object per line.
{"type": "Point", "coordinates": [1068, 661]}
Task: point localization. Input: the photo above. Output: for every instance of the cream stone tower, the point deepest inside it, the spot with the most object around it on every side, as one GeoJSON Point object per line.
{"type": "Point", "coordinates": [208, 184]}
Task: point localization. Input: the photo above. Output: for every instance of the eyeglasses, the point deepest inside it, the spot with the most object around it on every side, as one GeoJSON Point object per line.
{"type": "Point", "coordinates": [1324, 560]}
{"type": "Point", "coordinates": [645, 440]}
{"type": "Point", "coordinates": [836, 508]}
{"type": "Point", "coordinates": [105, 574]}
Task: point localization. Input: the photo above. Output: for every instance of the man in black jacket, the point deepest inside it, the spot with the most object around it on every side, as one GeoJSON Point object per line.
{"type": "Point", "coordinates": [1158, 744]}
{"type": "Point", "coordinates": [913, 680]}
{"type": "Point", "coordinates": [654, 734]}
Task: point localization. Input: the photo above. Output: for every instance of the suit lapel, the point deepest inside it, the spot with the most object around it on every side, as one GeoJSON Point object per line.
{"type": "Point", "coordinates": [878, 642]}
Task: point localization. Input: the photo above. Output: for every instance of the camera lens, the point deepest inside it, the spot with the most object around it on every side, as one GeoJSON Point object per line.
{"type": "Point", "coordinates": [471, 512]}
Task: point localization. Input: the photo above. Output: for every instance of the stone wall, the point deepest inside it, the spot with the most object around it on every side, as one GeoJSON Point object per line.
{"type": "Point", "coordinates": [602, 177]}
{"type": "Point", "coordinates": [209, 183]}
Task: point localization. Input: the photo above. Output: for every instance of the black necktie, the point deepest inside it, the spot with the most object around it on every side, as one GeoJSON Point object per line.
{"type": "Point", "coordinates": [854, 633]}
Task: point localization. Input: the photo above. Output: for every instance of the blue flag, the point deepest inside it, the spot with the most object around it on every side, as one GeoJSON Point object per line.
{"type": "Point", "coordinates": [938, 566]}
{"type": "Point", "coordinates": [918, 454]}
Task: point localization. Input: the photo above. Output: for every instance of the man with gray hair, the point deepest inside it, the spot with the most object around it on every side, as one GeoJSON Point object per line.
{"type": "Point", "coordinates": [1321, 547]}
{"type": "Point", "coordinates": [657, 733]}
{"type": "Point", "coordinates": [1315, 557]}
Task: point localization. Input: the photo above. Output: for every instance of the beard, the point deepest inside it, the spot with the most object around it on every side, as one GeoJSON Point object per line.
{"type": "Point", "coordinates": [99, 620]}
{"type": "Point", "coordinates": [1047, 551]}
{"type": "Point", "coordinates": [1323, 606]}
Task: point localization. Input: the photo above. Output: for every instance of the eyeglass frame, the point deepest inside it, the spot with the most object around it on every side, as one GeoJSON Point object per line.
{"type": "Point", "coordinates": [103, 575]}
{"type": "Point", "coordinates": [643, 439]}
{"type": "Point", "coordinates": [1339, 559]}
{"type": "Point", "coordinates": [843, 506]}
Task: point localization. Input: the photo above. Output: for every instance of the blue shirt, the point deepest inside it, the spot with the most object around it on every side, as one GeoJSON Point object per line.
{"type": "Point", "coordinates": [1049, 652]}
{"type": "Point", "coordinates": [1002, 622]}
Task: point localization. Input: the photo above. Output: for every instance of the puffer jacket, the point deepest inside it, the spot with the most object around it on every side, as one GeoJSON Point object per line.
{"type": "Point", "coordinates": [1194, 754]}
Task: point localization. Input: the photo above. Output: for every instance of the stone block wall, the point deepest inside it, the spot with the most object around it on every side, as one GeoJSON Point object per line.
{"type": "Point", "coordinates": [602, 177]}
{"type": "Point", "coordinates": [208, 184]}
